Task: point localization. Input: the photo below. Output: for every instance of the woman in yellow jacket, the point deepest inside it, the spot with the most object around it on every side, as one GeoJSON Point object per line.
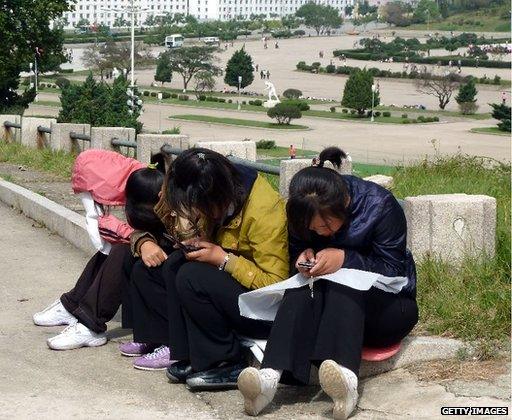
{"type": "Point", "coordinates": [188, 300]}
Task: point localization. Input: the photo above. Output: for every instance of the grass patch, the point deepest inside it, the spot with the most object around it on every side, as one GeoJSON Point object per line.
{"type": "Point", "coordinates": [471, 301]}
{"type": "Point", "coordinates": [490, 130]}
{"type": "Point", "coordinates": [56, 162]}
{"type": "Point", "coordinates": [282, 152]}
{"type": "Point", "coordinates": [491, 19]}
{"type": "Point", "coordinates": [239, 122]}
{"type": "Point", "coordinates": [55, 104]}
{"type": "Point", "coordinates": [439, 113]}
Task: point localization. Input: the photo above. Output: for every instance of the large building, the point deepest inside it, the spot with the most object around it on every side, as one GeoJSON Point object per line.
{"type": "Point", "coordinates": [108, 11]}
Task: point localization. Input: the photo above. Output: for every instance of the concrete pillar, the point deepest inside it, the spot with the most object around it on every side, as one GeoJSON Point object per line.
{"type": "Point", "coordinates": [61, 139]}
{"type": "Point", "coordinates": [150, 144]}
{"type": "Point", "coordinates": [30, 136]}
{"type": "Point", "coordinates": [382, 180]}
{"type": "Point", "coordinates": [240, 149]}
{"type": "Point", "coordinates": [451, 226]}
{"type": "Point", "coordinates": [101, 137]}
{"type": "Point", "coordinates": [289, 167]}
{"type": "Point", "coordinates": [10, 135]}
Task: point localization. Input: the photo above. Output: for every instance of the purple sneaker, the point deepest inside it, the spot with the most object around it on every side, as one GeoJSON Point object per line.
{"type": "Point", "coordinates": [132, 349]}
{"type": "Point", "coordinates": [158, 360]}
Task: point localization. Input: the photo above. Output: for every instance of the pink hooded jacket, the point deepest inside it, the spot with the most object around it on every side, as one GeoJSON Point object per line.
{"type": "Point", "coordinates": [103, 174]}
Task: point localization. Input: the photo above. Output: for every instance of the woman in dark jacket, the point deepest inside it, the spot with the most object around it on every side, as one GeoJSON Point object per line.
{"type": "Point", "coordinates": [336, 221]}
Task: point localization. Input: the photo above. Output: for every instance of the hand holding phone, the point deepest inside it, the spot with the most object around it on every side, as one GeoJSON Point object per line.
{"type": "Point", "coordinates": [185, 248]}
{"type": "Point", "coordinates": [306, 264]}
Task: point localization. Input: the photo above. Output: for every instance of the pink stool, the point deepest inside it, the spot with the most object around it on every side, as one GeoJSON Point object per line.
{"type": "Point", "coordinates": [379, 354]}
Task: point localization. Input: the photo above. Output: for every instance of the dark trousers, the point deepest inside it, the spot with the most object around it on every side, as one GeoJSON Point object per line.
{"type": "Point", "coordinates": [101, 288]}
{"type": "Point", "coordinates": [193, 308]}
{"type": "Point", "coordinates": [334, 324]}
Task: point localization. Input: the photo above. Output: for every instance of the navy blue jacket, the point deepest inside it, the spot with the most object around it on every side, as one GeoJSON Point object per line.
{"type": "Point", "coordinates": [374, 237]}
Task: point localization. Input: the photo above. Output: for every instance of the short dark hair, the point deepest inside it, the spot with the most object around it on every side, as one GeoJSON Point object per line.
{"type": "Point", "coordinates": [205, 181]}
{"type": "Point", "coordinates": [142, 188]}
{"type": "Point", "coordinates": [317, 190]}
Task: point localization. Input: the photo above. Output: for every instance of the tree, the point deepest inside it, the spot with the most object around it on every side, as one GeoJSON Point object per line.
{"type": "Point", "coordinates": [25, 26]}
{"type": "Point", "coordinates": [501, 112]}
{"type": "Point", "coordinates": [95, 60]}
{"type": "Point", "coordinates": [284, 113]}
{"type": "Point", "coordinates": [120, 22]}
{"type": "Point", "coordinates": [98, 104]}
{"type": "Point", "coordinates": [290, 22]}
{"type": "Point", "coordinates": [321, 18]}
{"type": "Point", "coordinates": [394, 14]}
{"type": "Point", "coordinates": [467, 97]}
{"type": "Point", "coordinates": [240, 64]}
{"type": "Point", "coordinates": [163, 69]}
{"type": "Point", "coordinates": [187, 61]}
{"type": "Point", "coordinates": [440, 86]}
{"type": "Point", "coordinates": [204, 81]}
{"type": "Point", "coordinates": [358, 91]}
{"type": "Point", "coordinates": [83, 23]}
{"type": "Point", "coordinates": [426, 10]}
{"type": "Point", "coordinates": [364, 8]}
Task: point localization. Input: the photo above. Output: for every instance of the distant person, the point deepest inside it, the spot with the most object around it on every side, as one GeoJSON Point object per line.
{"type": "Point", "coordinates": [265, 45]}
{"type": "Point", "coordinates": [292, 152]}
{"type": "Point", "coordinates": [268, 74]}
{"type": "Point", "coordinates": [276, 45]}
{"type": "Point", "coordinates": [504, 98]}
{"type": "Point", "coordinates": [262, 75]}
{"type": "Point", "coordinates": [257, 67]}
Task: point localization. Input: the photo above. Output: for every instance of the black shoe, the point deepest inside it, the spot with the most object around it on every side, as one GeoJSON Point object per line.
{"type": "Point", "coordinates": [223, 377]}
{"type": "Point", "coordinates": [179, 371]}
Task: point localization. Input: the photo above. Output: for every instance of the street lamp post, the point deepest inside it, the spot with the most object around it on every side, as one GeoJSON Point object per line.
{"type": "Point", "coordinates": [373, 100]}
{"type": "Point", "coordinates": [160, 96]}
{"type": "Point", "coordinates": [239, 83]}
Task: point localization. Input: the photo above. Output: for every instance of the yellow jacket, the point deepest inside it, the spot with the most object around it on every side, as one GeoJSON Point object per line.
{"type": "Point", "coordinates": [258, 238]}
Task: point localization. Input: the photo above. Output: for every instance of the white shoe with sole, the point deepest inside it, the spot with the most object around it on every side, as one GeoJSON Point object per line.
{"type": "Point", "coordinates": [76, 336]}
{"type": "Point", "coordinates": [54, 315]}
{"type": "Point", "coordinates": [258, 388]}
{"type": "Point", "coordinates": [340, 384]}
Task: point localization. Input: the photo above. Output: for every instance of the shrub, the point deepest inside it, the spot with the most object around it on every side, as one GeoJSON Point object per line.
{"type": "Point", "coordinates": [284, 113]}
{"type": "Point", "coordinates": [344, 111]}
{"type": "Point", "coordinates": [146, 93]}
{"type": "Point", "coordinates": [404, 116]}
{"type": "Point", "coordinates": [174, 95]}
{"type": "Point", "coordinates": [212, 99]}
{"type": "Point", "coordinates": [62, 82]}
{"type": "Point", "coordinates": [421, 118]}
{"type": "Point", "coordinates": [501, 112]}
{"type": "Point", "coordinates": [265, 144]}
{"type": "Point", "coordinates": [153, 94]}
{"type": "Point", "coordinates": [66, 71]}
{"type": "Point", "coordinates": [435, 119]}
{"type": "Point", "coordinates": [468, 108]}
{"type": "Point", "coordinates": [175, 130]}
{"type": "Point", "coordinates": [292, 93]}
{"type": "Point", "coordinates": [244, 102]}
{"type": "Point", "coordinates": [302, 105]}
{"type": "Point", "coordinates": [332, 109]}
{"type": "Point", "coordinates": [316, 65]}
{"type": "Point", "coordinates": [299, 32]}
{"type": "Point", "coordinates": [406, 121]}
{"type": "Point", "coordinates": [496, 80]}
{"type": "Point", "coordinates": [223, 100]}
{"type": "Point", "coordinates": [183, 97]}
{"type": "Point", "coordinates": [230, 101]}
{"type": "Point", "coordinates": [330, 68]}
{"type": "Point", "coordinates": [414, 121]}
{"type": "Point", "coordinates": [377, 113]}
{"type": "Point", "coordinates": [386, 114]}
{"type": "Point", "coordinates": [202, 97]}
{"type": "Point", "coordinates": [352, 111]}
{"type": "Point", "coordinates": [258, 102]}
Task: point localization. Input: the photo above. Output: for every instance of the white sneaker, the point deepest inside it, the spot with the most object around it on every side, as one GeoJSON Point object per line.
{"type": "Point", "coordinates": [54, 315]}
{"type": "Point", "coordinates": [258, 388]}
{"type": "Point", "coordinates": [75, 336]}
{"type": "Point", "coordinates": [340, 384]}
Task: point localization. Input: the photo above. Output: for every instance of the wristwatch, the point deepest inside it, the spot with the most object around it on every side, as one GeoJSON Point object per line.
{"type": "Point", "coordinates": [223, 264]}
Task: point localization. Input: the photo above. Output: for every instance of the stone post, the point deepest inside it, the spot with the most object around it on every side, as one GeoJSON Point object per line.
{"type": "Point", "coordinates": [101, 137]}
{"type": "Point", "coordinates": [7, 134]}
{"type": "Point", "coordinates": [150, 144]}
{"type": "Point", "coordinates": [30, 136]}
{"type": "Point", "coordinates": [61, 139]}
{"type": "Point", "coordinates": [240, 149]}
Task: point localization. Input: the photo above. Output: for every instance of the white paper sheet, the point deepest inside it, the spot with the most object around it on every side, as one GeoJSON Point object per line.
{"type": "Point", "coordinates": [263, 303]}
{"type": "Point", "coordinates": [92, 213]}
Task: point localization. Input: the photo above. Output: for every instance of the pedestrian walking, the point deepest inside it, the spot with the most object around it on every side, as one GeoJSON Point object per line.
{"type": "Point", "coordinates": [268, 74]}
{"type": "Point", "coordinates": [276, 45]}
{"type": "Point", "coordinates": [257, 68]}
{"type": "Point", "coordinates": [292, 152]}
{"type": "Point", "coordinates": [262, 75]}
{"type": "Point", "coordinates": [504, 98]}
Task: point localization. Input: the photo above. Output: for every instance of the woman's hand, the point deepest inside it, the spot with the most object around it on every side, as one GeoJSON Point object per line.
{"type": "Point", "coordinates": [209, 253]}
{"type": "Point", "coordinates": [308, 255]}
{"type": "Point", "coordinates": [152, 255]}
{"type": "Point", "coordinates": [328, 260]}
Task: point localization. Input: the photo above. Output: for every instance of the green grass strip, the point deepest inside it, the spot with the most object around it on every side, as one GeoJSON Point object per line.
{"type": "Point", "coordinates": [490, 130]}
{"type": "Point", "coordinates": [239, 122]}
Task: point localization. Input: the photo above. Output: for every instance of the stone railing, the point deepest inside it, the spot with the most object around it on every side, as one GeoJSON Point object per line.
{"type": "Point", "coordinates": [448, 226]}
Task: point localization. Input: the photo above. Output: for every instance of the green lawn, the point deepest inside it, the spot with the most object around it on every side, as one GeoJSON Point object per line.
{"type": "Point", "coordinates": [485, 20]}
{"type": "Point", "coordinates": [491, 130]}
{"type": "Point", "coordinates": [237, 121]}
{"type": "Point", "coordinates": [439, 112]}
{"type": "Point", "coordinates": [48, 103]}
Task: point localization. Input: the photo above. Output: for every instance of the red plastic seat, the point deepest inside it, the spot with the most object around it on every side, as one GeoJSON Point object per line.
{"type": "Point", "coordinates": [378, 354]}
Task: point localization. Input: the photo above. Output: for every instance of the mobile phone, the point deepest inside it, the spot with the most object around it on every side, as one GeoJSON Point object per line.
{"type": "Point", "coordinates": [181, 245]}
{"type": "Point", "coordinates": [306, 264]}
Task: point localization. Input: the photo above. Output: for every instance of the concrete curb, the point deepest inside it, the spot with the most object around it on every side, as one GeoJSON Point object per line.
{"type": "Point", "coordinates": [64, 222]}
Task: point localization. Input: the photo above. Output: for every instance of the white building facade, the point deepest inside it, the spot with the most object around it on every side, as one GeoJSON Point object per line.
{"type": "Point", "coordinates": [108, 11]}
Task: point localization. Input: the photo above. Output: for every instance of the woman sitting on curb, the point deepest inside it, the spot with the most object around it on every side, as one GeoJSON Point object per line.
{"type": "Point", "coordinates": [336, 222]}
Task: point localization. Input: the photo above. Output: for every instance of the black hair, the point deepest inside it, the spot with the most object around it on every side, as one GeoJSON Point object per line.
{"type": "Point", "coordinates": [205, 182]}
{"type": "Point", "coordinates": [142, 188]}
{"type": "Point", "coordinates": [317, 190]}
{"type": "Point", "coordinates": [158, 160]}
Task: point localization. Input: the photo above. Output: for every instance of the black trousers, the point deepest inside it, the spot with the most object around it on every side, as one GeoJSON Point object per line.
{"type": "Point", "coordinates": [193, 308]}
{"type": "Point", "coordinates": [101, 288]}
{"type": "Point", "coordinates": [335, 324]}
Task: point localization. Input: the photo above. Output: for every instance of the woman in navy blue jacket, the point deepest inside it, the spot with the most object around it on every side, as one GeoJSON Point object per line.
{"type": "Point", "coordinates": [336, 221]}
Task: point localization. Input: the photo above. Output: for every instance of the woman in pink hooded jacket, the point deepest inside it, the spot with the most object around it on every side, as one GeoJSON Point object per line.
{"type": "Point", "coordinates": [104, 179]}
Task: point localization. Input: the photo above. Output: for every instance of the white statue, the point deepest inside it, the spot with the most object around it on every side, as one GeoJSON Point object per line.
{"type": "Point", "coordinates": [271, 91]}
{"type": "Point", "coordinates": [115, 73]}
